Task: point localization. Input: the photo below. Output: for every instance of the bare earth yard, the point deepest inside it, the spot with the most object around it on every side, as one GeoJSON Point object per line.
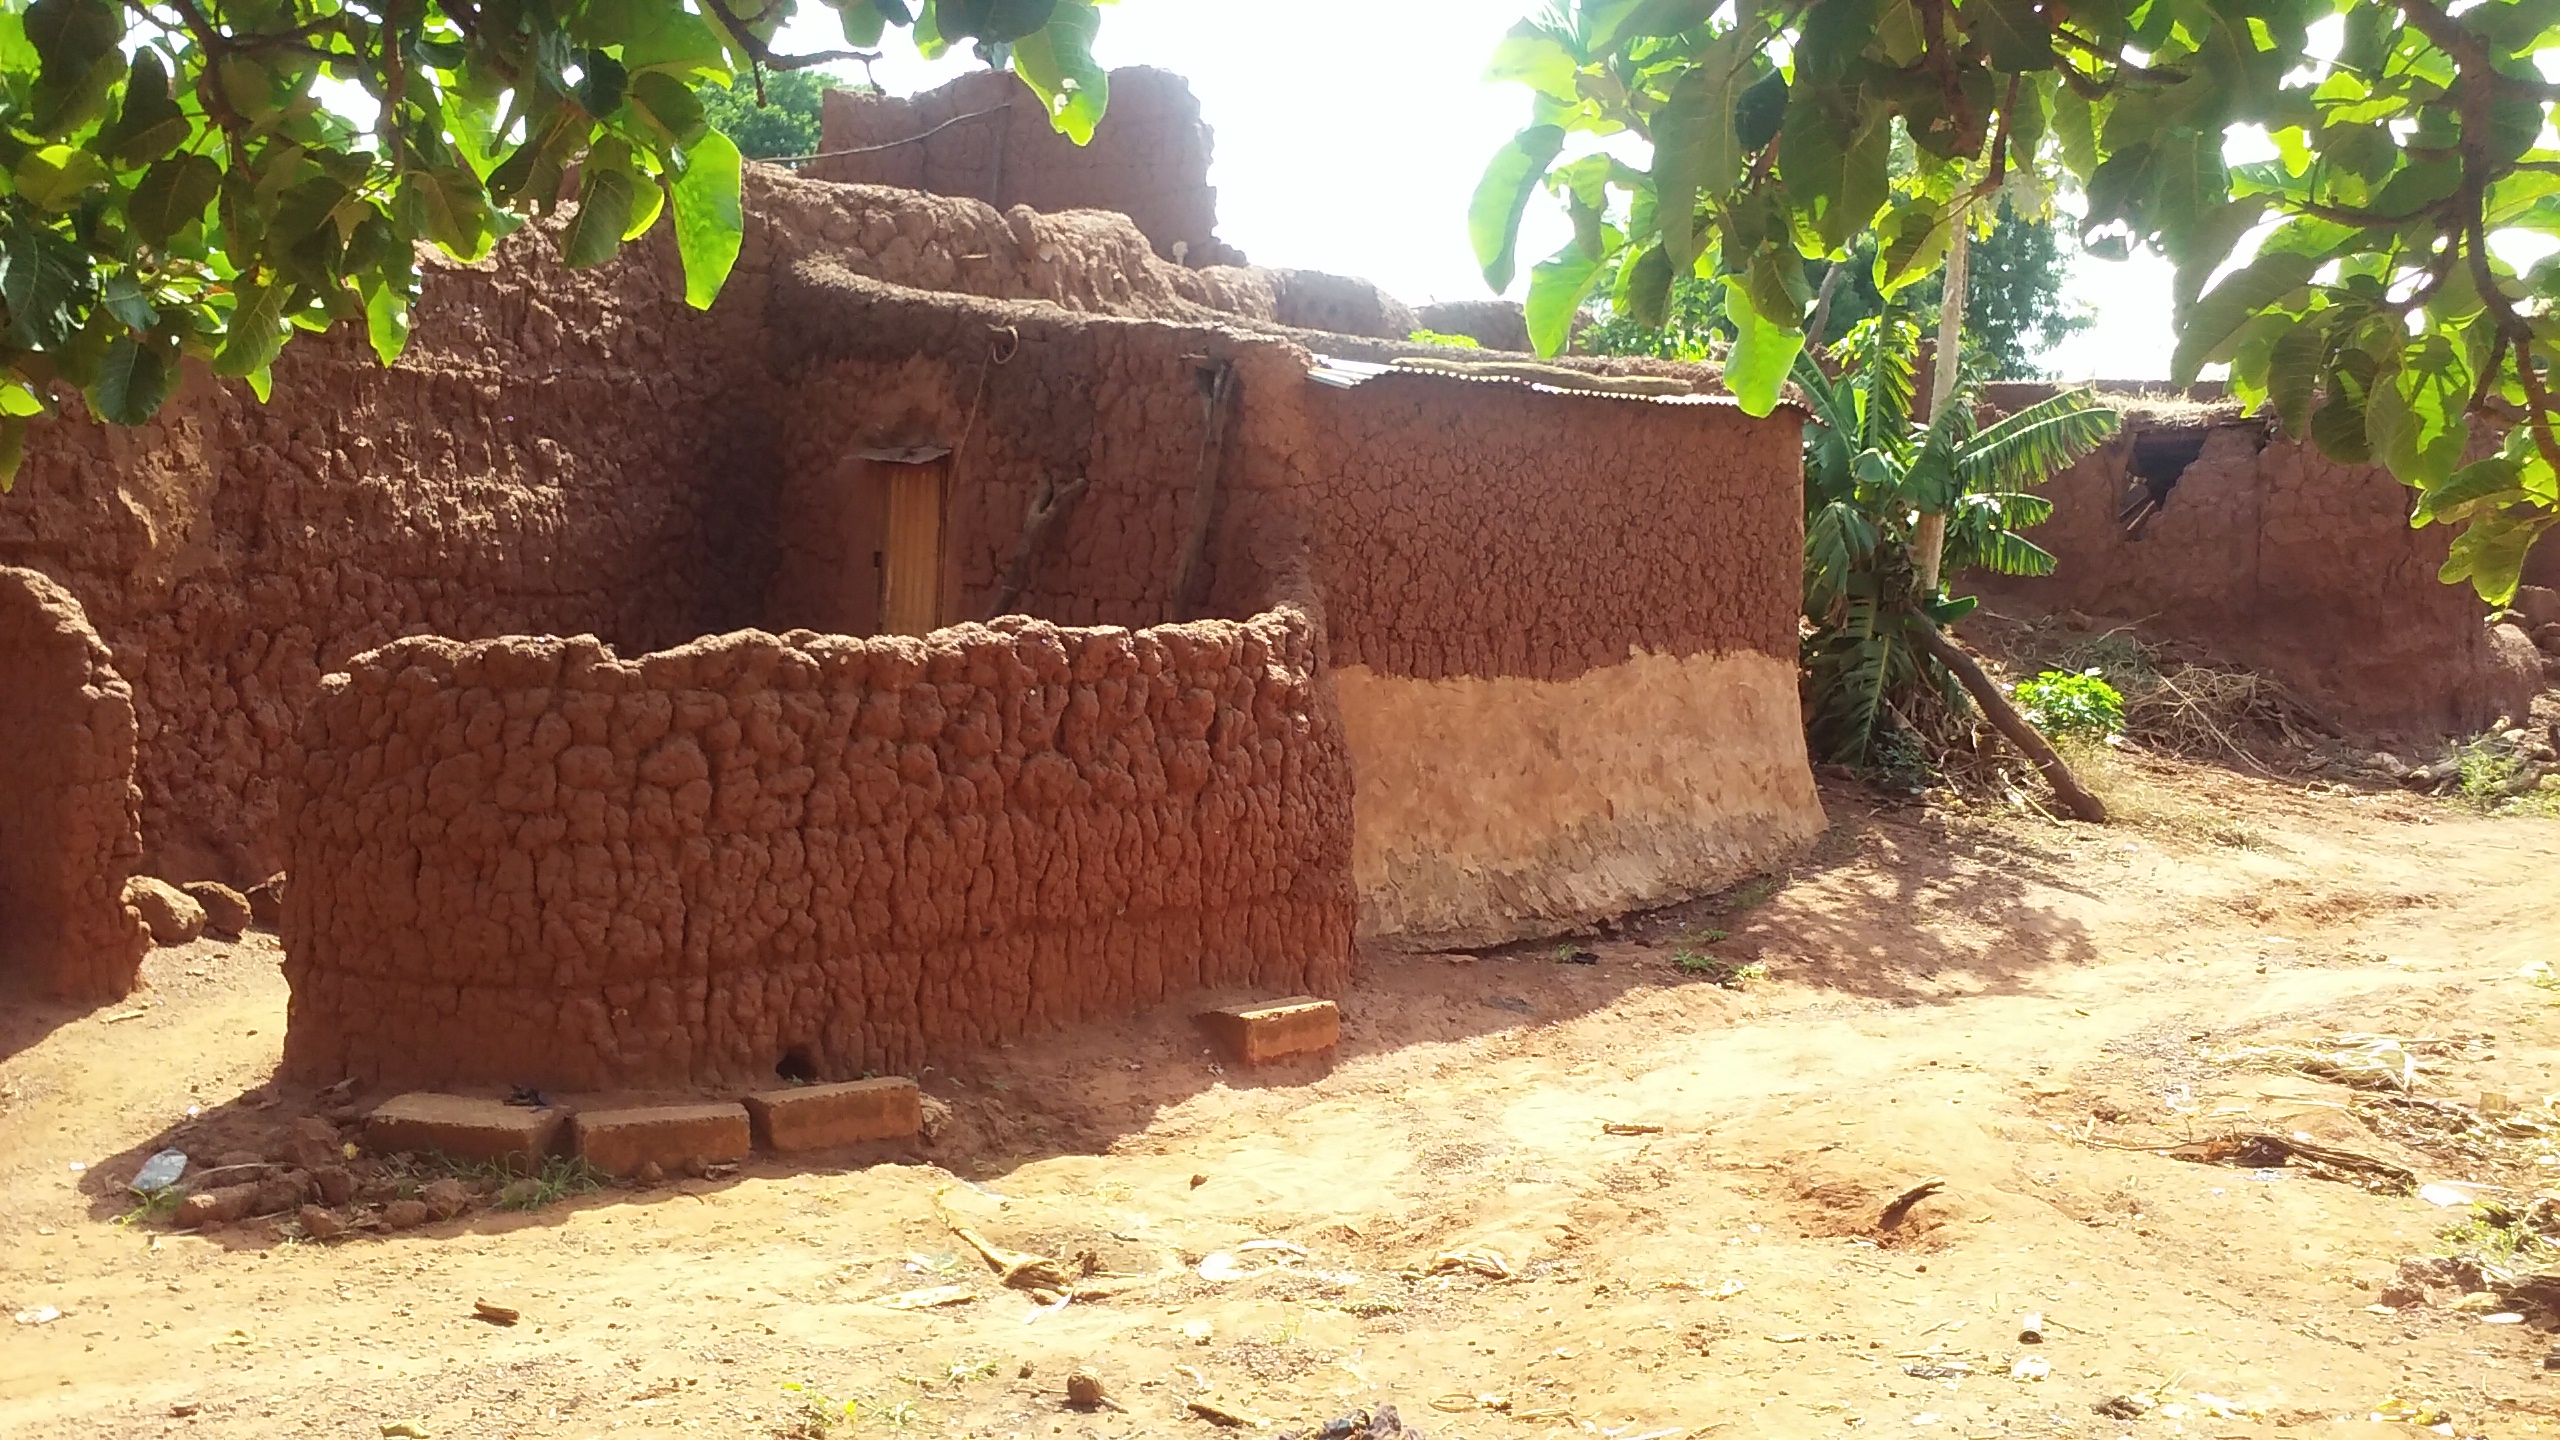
{"type": "Point", "coordinates": [1656, 1204]}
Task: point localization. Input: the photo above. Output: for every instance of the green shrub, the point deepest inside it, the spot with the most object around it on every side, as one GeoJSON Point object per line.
{"type": "Point", "coordinates": [1438, 337]}
{"type": "Point", "coordinates": [2060, 702]}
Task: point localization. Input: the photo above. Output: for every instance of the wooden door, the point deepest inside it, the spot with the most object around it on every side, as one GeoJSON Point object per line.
{"type": "Point", "coordinates": [911, 551]}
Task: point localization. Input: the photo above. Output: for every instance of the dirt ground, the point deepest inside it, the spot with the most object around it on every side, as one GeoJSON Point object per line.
{"type": "Point", "coordinates": [1656, 1202]}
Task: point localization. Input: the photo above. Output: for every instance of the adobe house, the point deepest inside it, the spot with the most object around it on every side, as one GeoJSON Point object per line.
{"type": "Point", "coordinates": [972, 624]}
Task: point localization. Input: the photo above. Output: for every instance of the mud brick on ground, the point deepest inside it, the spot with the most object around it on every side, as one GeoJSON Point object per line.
{"type": "Point", "coordinates": [1268, 1030]}
{"type": "Point", "coordinates": [829, 1117]}
{"type": "Point", "coordinates": [463, 1127]}
{"type": "Point", "coordinates": [619, 1142]}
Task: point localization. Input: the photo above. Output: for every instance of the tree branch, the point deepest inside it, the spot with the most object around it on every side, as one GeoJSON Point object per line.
{"type": "Point", "coordinates": [762, 54]}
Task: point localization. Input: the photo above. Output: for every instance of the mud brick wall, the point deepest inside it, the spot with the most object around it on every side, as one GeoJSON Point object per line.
{"type": "Point", "coordinates": [70, 823]}
{"type": "Point", "coordinates": [534, 860]}
{"type": "Point", "coordinates": [2274, 557]}
{"type": "Point", "coordinates": [1149, 158]}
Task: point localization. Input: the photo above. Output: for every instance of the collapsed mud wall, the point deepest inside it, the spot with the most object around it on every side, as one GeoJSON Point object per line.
{"type": "Point", "coordinates": [985, 136]}
{"type": "Point", "coordinates": [532, 859]}
{"type": "Point", "coordinates": [70, 822]}
{"type": "Point", "coordinates": [2261, 550]}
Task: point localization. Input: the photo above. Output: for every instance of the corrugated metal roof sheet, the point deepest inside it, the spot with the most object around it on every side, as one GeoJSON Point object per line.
{"type": "Point", "coordinates": [1342, 374]}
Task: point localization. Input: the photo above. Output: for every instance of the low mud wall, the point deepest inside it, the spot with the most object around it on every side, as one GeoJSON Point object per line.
{"type": "Point", "coordinates": [70, 821]}
{"type": "Point", "coordinates": [2267, 553]}
{"type": "Point", "coordinates": [535, 860]}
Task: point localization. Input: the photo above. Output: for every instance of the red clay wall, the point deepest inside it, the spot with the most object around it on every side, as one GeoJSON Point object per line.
{"type": "Point", "coordinates": [1148, 160]}
{"type": "Point", "coordinates": [2288, 563]}
{"type": "Point", "coordinates": [1486, 528]}
{"type": "Point", "coordinates": [528, 859]}
{"type": "Point", "coordinates": [70, 827]}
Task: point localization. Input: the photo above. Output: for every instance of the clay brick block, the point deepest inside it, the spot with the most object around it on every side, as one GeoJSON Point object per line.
{"type": "Point", "coordinates": [1275, 1029]}
{"type": "Point", "coordinates": [619, 1142]}
{"type": "Point", "coordinates": [829, 1117]}
{"type": "Point", "coordinates": [462, 1127]}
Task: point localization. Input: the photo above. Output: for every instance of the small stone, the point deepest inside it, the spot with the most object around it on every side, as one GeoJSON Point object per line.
{"type": "Point", "coordinates": [405, 1214]}
{"type": "Point", "coordinates": [226, 911]}
{"type": "Point", "coordinates": [2400, 1297]}
{"type": "Point", "coordinates": [313, 1143]}
{"type": "Point", "coordinates": [336, 1184]}
{"type": "Point", "coordinates": [696, 1166]}
{"type": "Point", "coordinates": [321, 1223]}
{"type": "Point", "coordinates": [266, 900]}
{"type": "Point", "coordinates": [171, 914]}
{"type": "Point", "coordinates": [446, 1198]}
{"type": "Point", "coordinates": [520, 1194]}
{"type": "Point", "coordinates": [649, 1173]}
{"type": "Point", "coordinates": [1084, 1389]}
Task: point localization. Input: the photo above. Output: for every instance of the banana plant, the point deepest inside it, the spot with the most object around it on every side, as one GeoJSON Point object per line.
{"type": "Point", "coordinates": [1870, 471]}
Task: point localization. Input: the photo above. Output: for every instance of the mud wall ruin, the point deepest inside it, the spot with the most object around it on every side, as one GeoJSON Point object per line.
{"type": "Point", "coordinates": [2268, 553]}
{"type": "Point", "coordinates": [985, 136]}
{"type": "Point", "coordinates": [532, 859]}
{"type": "Point", "coordinates": [70, 822]}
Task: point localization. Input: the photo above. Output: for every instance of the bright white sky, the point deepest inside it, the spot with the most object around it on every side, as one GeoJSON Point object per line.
{"type": "Point", "coordinates": [1351, 133]}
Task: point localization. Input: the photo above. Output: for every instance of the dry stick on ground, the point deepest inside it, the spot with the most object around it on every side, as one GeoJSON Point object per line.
{"type": "Point", "coordinates": [2006, 719]}
{"type": "Point", "coordinates": [1051, 504]}
{"type": "Point", "coordinates": [1218, 391]}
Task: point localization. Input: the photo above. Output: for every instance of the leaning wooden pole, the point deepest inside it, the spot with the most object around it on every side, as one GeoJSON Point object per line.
{"type": "Point", "coordinates": [2006, 719]}
{"type": "Point", "coordinates": [1191, 581]}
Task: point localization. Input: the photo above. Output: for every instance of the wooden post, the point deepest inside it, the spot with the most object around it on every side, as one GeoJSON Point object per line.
{"type": "Point", "coordinates": [1191, 584]}
{"type": "Point", "coordinates": [2005, 718]}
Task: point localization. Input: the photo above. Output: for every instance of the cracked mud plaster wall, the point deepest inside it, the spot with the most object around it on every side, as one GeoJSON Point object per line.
{"type": "Point", "coordinates": [70, 823]}
{"type": "Point", "coordinates": [2289, 563]}
{"type": "Point", "coordinates": [1564, 636]}
{"type": "Point", "coordinates": [529, 860]}
{"type": "Point", "coordinates": [1148, 160]}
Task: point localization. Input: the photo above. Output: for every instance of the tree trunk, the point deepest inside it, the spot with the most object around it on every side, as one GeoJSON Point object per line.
{"type": "Point", "coordinates": [2005, 718]}
{"type": "Point", "coordinates": [1929, 543]}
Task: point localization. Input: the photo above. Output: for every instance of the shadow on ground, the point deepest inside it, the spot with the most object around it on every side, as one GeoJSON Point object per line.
{"type": "Point", "coordinates": [1842, 919]}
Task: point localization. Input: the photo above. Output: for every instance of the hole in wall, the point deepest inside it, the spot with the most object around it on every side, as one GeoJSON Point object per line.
{"type": "Point", "coordinates": [2153, 463]}
{"type": "Point", "coordinates": [797, 1065]}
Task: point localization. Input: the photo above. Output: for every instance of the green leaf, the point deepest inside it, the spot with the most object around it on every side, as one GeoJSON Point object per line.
{"type": "Point", "coordinates": [135, 378]}
{"type": "Point", "coordinates": [17, 399]}
{"type": "Point", "coordinates": [13, 449]}
{"type": "Point", "coordinates": [1534, 56]}
{"type": "Point", "coordinates": [1763, 351]}
{"type": "Point", "coordinates": [45, 280]}
{"type": "Point", "coordinates": [1759, 112]}
{"type": "Point", "coordinates": [1695, 148]}
{"type": "Point", "coordinates": [710, 221]}
{"type": "Point", "coordinates": [1057, 62]}
{"type": "Point", "coordinates": [151, 123]}
{"type": "Point", "coordinates": [2011, 32]}
{"type": "Point", "coordinates": [2490, 554]}
{"type": "Point", "coordinates": [256, 332]}
{"type": "Point", "coordinates": [53, 177]}
{"type": "Point", "coordinates": [1834, 155]}
{"type": "Point", "coordinates": [386, 320]}
{"type": "Point", "coordinates": [1557, 287]}
{"type": "Point", "coordinates": [601, 82]}
{"type": "Point", "coordinates": [607, 195]}
{"type": "Point", "coordinates": [2338, 426]}
{"type": "Point", "coordinates": [2293, 373]}
{"type": "Point", "coordinates": [2229, 305]}
{"type": "Point", "coordinates": [1502, 197]}
{"type": "Point", "coordinates": [2497, 478]}
{"type": "Point", "coordinates": [668, 107]}
{"type": "Point", "coordinates": [993, 20]}
{"type": "Point", "coordinates": [124, 299]}
{"type": "Point", "coordinates": [2075, 127]}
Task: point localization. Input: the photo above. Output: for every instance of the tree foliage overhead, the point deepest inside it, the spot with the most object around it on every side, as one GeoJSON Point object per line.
{"type": "Point", "coordinates": [782, 121]}
{"type": "Point", "coordinates": [2368, 304]}
{"type": "Point", "coordinates": [203, 177]}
